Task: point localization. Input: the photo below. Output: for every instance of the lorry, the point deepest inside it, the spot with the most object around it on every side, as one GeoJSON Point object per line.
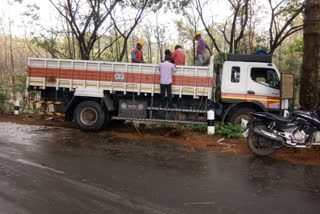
{"type": "Point", "coordinates": [94, 93]}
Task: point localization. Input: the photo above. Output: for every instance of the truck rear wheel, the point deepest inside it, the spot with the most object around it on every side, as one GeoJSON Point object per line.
{"type": "Point", "coordinates": [239, 114]}
{"type": "Point", "coordinates": [89, 116]}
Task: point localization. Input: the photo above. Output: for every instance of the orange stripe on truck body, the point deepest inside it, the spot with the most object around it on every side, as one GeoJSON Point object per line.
{"type": "Point", "coordinates": [269, 102]}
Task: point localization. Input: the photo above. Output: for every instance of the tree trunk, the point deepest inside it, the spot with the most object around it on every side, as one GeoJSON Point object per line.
{"type": "Point", "coordinates": [194, 46]}
{"type": "Point", "coordinates": [73, 47]}
{"type": "Point", "coordinates": [12, 68]}
{"type": "Point", "coordinates": [117, 47]}
{"type": "Point", "coordinates": [124, 48]}
{"type": "Point", "coordinates": [311, 38]}
{"type": "Point", "coordinates": [194, 51]}
{"type": "Point", "coordinates": [160, 52]}
{"type": "Point", "coordinates": [149, 51]}
{"type": "Point", "coordinates": [99, 50]}
{"type": "Point", "coordinates": [233, 29]}
{"type": "Point", "coordinates": [127, 55]}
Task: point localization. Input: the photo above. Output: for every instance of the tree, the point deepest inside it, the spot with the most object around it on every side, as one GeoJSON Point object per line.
{"type": "Point", "coordinates": [248, 42]}
{"type": "Point", "coordinates": [148, 33]}
{"type": "Point", "coordinates": [240, 11]}
{"type": "Point", "coordinates": [194, 21]}
{"type": "Point", "coordinates": [138, 9]}
{"type": "Point", "coordinates": [86, 19]}
{"type": "Point", "coordinates": [282, 23]}
{"type": "Point", "coordinates": [159, 31]}
{"type": "Point", "coordinates": [132, 22]}
{"type": "Point", "coordinates": [311, 51]}
{"type": "Point", "coordinates": [187, 30]}
{"type": "Point", "coordinates": [199, 5]}
{"type": "Point", "coordinates": [188, 25]}
{"type": "Point", "coordinates": [51, 44]}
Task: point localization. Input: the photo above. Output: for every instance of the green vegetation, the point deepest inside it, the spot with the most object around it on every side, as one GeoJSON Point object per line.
{"type": "Point", "coordinates": [186, 127]}
{"type": "Point", "coordinates": [230, 130]}
{"type": "Point", "coordinates": [4, 96]}
{"type": "Point", "coordinates": [227, 129]}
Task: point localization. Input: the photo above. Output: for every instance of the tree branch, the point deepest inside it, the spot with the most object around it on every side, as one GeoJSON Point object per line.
{"type": "Point", "coordinates": [105, 48]}
{"type": "Point", "coordinates": [244, 22]}
{"type": "Point", "coordinates": [200, 12]}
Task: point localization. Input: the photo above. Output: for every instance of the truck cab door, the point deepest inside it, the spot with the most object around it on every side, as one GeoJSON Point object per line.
{"type": "Point", "coordinates": [263, 85]}
{"type": "Point", "coordinates": [234, 80]}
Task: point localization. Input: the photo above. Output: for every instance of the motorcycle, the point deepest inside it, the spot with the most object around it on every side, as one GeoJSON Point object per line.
{"type": "Point", "coordinates": [269, 132]}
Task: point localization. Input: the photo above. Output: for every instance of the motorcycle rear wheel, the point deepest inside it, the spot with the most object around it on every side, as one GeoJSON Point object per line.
{"type": "Point", "coordinates": [259, 145]}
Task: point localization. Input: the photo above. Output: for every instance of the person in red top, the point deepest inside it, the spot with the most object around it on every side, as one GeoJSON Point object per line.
{"type": "Point", "coordinates": [137, 54]}
{"type": "Point", "coordinates": [178, 56]}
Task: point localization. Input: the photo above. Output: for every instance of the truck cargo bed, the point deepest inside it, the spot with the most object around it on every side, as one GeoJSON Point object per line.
{"type": "Point", "coordinates": [117, 77]}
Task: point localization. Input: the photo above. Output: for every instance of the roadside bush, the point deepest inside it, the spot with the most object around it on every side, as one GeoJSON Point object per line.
{"type": "Point", "coordinates": [4, 97]}
{"type": "Point", "coordinates": [184, 127]}
{"type": "Point", "coordinates": [230, 130]}
{"type": "Point", "coordinates": [20, 89]}
{"type": "Point", "coordinates": [194, 127]}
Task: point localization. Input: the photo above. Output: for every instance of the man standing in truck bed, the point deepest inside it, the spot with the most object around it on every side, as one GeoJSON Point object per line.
{"type": "Point", "coordinates": [202, 46]}
{"type": "Point", "coordinates": [166, 70]}
{"type": "Point", "coordinates": [137, 54]}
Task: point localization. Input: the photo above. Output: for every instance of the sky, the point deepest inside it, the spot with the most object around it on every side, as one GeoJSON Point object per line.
{"type": "Point", "coordinates": [219, 10]}
{"type": "Point", "coordinates": [14, 13]}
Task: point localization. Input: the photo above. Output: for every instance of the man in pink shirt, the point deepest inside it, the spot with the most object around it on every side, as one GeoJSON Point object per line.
{"type": "Point", "coordinates": [178, 56]}
{"type": "Point", "coordinates": [166, 70]}
{"type": "Point", "coordinates": [202, 46]}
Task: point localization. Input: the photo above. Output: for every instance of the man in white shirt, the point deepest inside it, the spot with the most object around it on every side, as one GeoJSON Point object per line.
{"type": "Point", "coordinates": [166, 70]}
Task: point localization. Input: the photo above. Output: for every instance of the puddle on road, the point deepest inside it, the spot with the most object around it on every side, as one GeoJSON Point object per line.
{"type": "Point", "coordinates": [22, 134]}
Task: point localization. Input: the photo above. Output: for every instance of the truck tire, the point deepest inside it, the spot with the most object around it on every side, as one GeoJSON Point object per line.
{"type": "Point", "coordinates": [240, 113]}
{"type": "Point", "coordinates": [89, 116]}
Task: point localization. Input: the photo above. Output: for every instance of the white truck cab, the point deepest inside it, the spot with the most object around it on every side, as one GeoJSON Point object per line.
{"type": "Point", "coordinates": [249, 83]}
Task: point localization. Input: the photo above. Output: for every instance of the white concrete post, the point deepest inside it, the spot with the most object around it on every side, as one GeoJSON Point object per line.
{"type": "Point", "coordinates": [244, 124]}
{"type": "Point", "coordinates": [286, 113]}
{"type": "Point", "coordinates": [210, 119]}
{"type": "Point", "coordinates": [16, 108]}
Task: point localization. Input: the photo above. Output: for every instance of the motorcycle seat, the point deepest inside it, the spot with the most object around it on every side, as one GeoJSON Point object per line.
{"type": "Point", "coordinates": [280, 119]}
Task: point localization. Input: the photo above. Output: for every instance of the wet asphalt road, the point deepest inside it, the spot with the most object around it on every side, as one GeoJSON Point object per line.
{"type": "Point", "coordinates": [55, 170]}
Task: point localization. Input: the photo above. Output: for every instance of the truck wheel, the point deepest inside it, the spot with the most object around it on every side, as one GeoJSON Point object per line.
{"type": "Point", "coordinates": [89, 116]}
{"type": "Point", "coordinates": [241, 113]}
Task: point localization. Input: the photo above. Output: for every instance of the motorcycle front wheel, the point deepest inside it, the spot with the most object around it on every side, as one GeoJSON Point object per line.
{"type": "Point", "coordinates": [258, 145]}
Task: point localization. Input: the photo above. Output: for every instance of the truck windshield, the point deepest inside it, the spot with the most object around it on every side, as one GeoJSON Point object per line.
{"type": "Point", "coordinates": [265, 76]}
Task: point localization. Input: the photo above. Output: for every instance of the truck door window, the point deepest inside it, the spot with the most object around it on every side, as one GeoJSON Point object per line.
{"type": "Point", "coordinates": [235, 74]}
{"type": "Point", "coordinates": [265, 76]}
